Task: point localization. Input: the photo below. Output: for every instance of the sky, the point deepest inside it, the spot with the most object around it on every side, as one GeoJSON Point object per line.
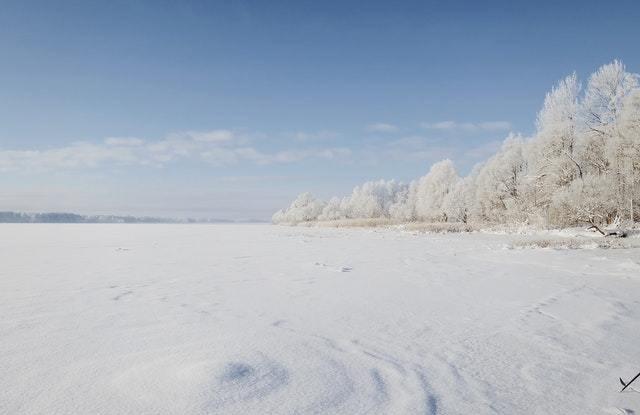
{"type": "Point", "coordinates": [229, 109]}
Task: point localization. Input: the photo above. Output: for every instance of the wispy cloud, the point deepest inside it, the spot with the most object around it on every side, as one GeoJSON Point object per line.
{"type": "Point", "coordinates": [218, 147]}
{"type": "Point", "coordinates": [416, 147]}
{"type": "Point", "coordinates": [468, 126]}
{"type": "Point", "coordinates": [382, 127]}
{"type": "Point", "coordinates": [215, 136]}
{"type": "Point", "coordinates": [123, 141]}
{"type": "Point", "coordinates": [427, 150]}
{"type": "Point", "coordinates": [76, 155]}
{"type": "Point", "coordinates": [314, 136]}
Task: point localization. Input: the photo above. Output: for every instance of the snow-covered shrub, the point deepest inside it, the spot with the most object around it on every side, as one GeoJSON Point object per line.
{"type": "Point", "coordinates": [573, 243]}
{"type": "Point", "coordinates": [357, 223]}
{"type": "Point", "coordinates": [439, 227]}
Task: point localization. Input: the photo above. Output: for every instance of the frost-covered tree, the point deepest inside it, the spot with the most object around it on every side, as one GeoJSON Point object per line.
{"type": "Point", "coordinates": [400, 209]}
{"type": "Point", "coordinates": [584, 201]}
{"type": "Point", "coordinates": [372, 199]}
{"type": "Point", "coordinates": [405, 207]}
{"type": "Point", "coordinates": [500, 181]}
{"type": "Point", "coordinates": [553, 150]}
{"type": "Point", "coordinates": [623, 153]}
{"type": "Point", "coordinates": [303, 209]}
{"type": "Point", "coordinates": [552, 157]}
{"type": "Point", "coordinates": [427, 194]}
{"type": "Point", "coordinates": [459, 202]}
{"type": "Point", "coordinates": [332, 210]}
{"type": "Point", "coordinates": [605, 93]}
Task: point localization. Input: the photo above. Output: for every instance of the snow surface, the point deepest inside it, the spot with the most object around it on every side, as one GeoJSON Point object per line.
{"type": "Point", "coordinates": [259, 319]}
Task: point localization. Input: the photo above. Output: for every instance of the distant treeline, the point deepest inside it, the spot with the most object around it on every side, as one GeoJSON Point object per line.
{"type": "Point", "coordinates": [54, 217]}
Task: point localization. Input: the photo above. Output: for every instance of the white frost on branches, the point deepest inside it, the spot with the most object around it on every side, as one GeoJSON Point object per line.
{"type": "Point", "coordinates": [582, 165]}
{"type": "Point", "coordinates": [304, 209]}
{"type": "Point", "coordinates": [372, 200]}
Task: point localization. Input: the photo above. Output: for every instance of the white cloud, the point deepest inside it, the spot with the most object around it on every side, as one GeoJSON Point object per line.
{"type": "Point", "coordinates": [292, 156]}
{"type": "Point", "coordinates": [218, 147]}
{"type": "Point", "coordinates": [123, 141]}
{"type": "Point", "coordinates": [313, 136]}
{"type": "Point", "coordinates": [77, 155]}
{"type": "Point", "coordinates": [412, 148]}
{"type": "Point", "coordinates": [442, 125]}
{"type": "Point", "coordinates": [215, 136]}
{"type": "Point", "coordinates": [416, 148]}
{"type": "Point", "coordinates": [382, 128]}
{"type": "Point", "coordinates": [413, 142]}
{"type": "Point", "coordinates": [468, 126]}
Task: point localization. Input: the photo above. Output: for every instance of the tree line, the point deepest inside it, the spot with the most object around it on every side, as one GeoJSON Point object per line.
{"type": "Point", "coordinates": [581, 166]}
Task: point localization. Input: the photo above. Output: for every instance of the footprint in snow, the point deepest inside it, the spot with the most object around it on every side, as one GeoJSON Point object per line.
{"type": "Point", "coordinates": [341, 269]}
{"type": "Point", "coordinates": [621, 411]}
{"type": "Point", "coordinates": [122, 294]}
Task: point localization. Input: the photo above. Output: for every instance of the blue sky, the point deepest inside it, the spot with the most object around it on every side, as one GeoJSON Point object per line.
{"type": "Point", "coordinates": [229, 109]}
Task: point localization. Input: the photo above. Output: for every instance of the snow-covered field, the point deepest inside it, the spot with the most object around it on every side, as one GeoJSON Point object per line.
{"type": "Point", "coordinates": [259, 319]}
